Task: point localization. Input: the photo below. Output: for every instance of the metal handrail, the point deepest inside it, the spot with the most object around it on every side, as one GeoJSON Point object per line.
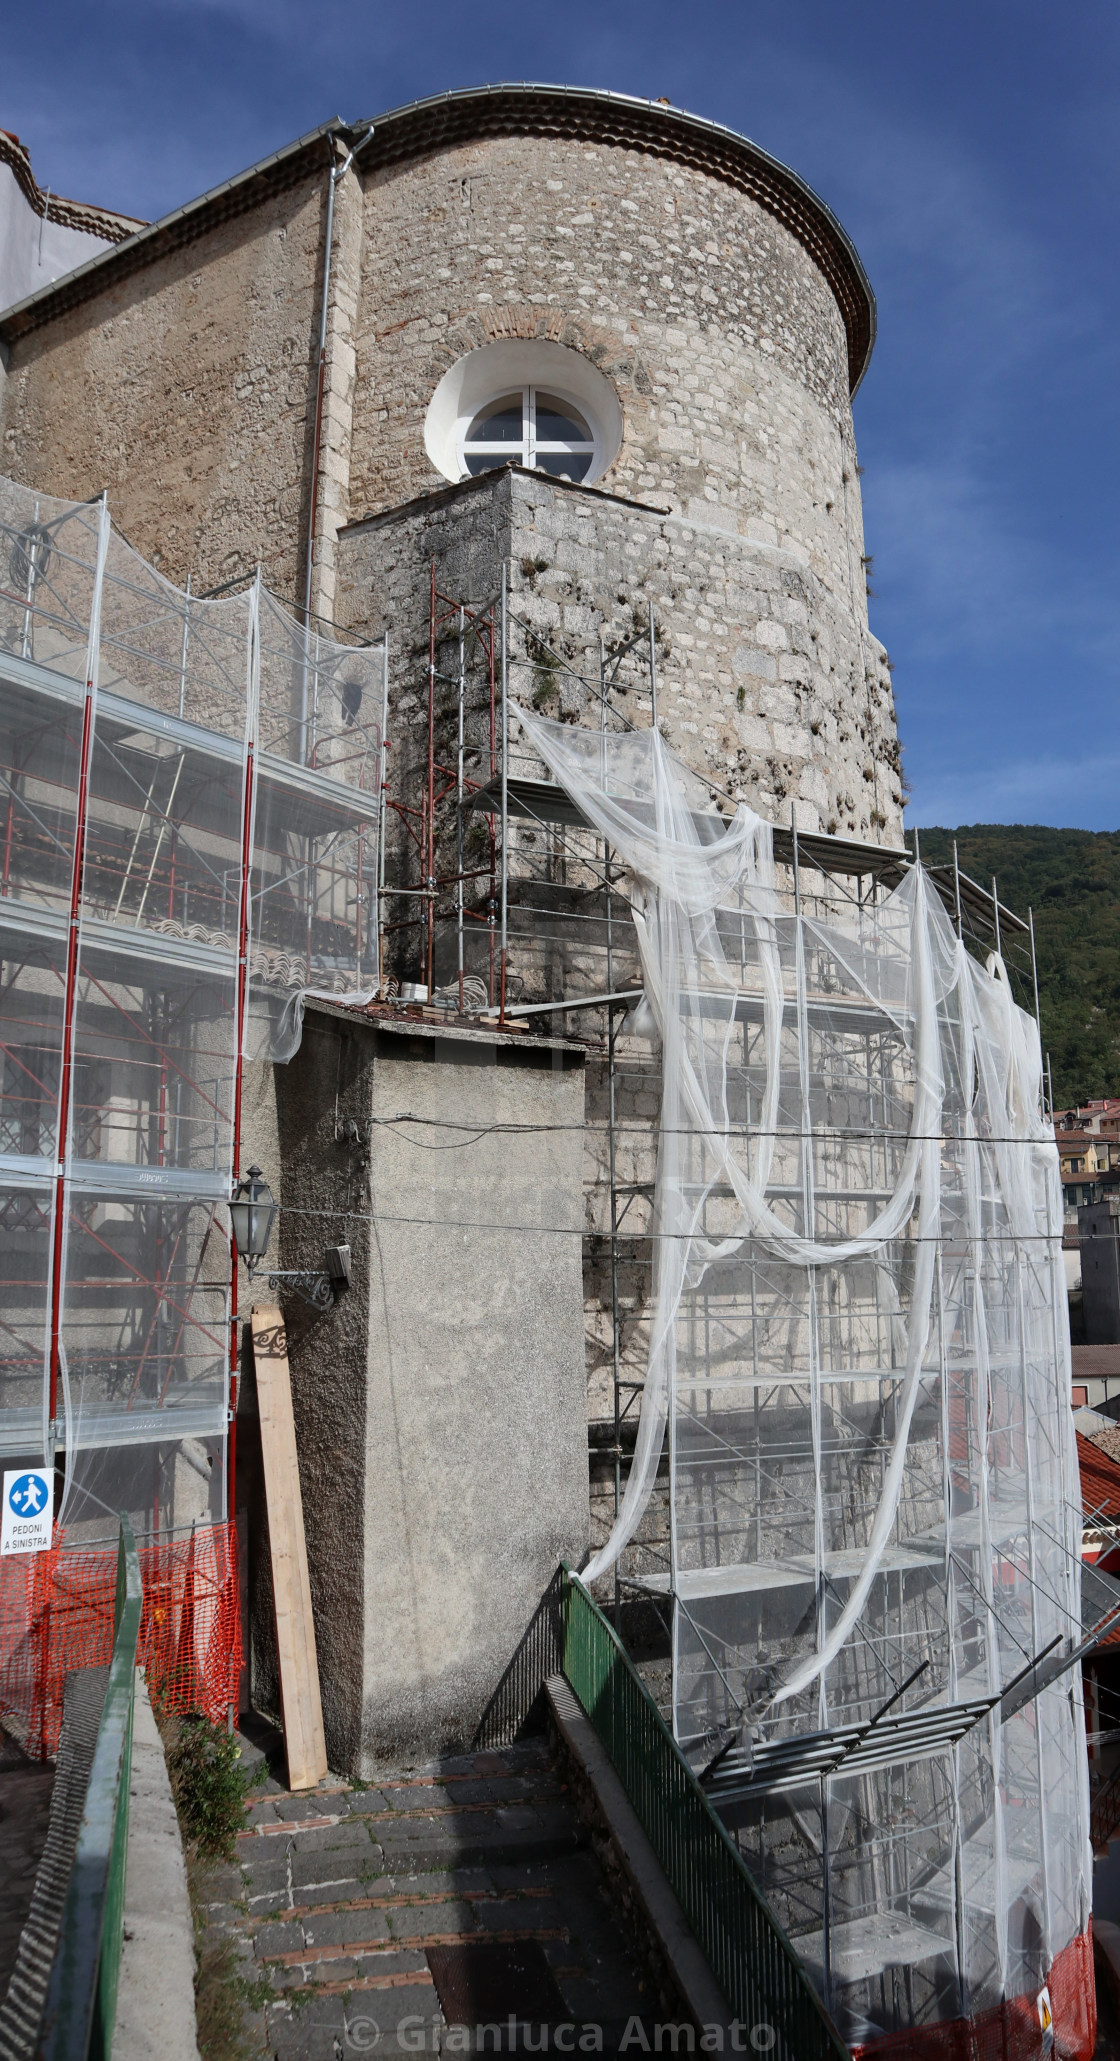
{"type": "Point", "coordinates": [82, 1995]}
{"type": "Point", "coordinates": [750, 1955]}
{"type": "Point", "coordinates": [1104, 1812]}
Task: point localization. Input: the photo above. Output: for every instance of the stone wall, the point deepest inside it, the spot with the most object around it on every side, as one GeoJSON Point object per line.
{"type": "Point", "coordinates": [768, 684]}
{"type": "Point", "coordinates": [187, 391]}
{"type": "Point", "coordinates": [724, 340]}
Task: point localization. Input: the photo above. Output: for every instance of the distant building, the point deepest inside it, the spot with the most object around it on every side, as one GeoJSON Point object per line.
{"type": "Point", "coordinates": [1086, 1159]}
{"type": "Point", "coordinates": [1098, 1227]}
{"type": "Point", "coordinates": [1088, 1142]}
{"type": "Point", "coordinates": [1096, 1380]}
{"type": "Point", "coordinates": [1101, 1118]}
{"type": "Point", "coordinates": [1089, 1157]}
{"type": "Point", "coordinates": [42, 235]}
{"type": "Point", "coordinates": [1098, 1457]}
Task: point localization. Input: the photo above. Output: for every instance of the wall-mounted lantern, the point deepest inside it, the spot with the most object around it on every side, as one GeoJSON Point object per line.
{"type": "Point", "coordinates": [252, 1214]}
{"type": "Point", "coordinates": [253, 1210]}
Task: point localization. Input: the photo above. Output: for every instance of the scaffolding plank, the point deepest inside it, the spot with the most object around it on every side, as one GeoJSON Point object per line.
{"type": "Point", "coordinates": [40, 681]}
{"type": "Point", "coordinates": [119, 716]}
{"type": "Point", "coordinates": [864, 1947]}
{"type": "Point", "coordinates": [314, 804]}
{"type": "Point", "coordinates": [541, 801]}
{"type": "Point", "coordinates": [544, 801]}
{"type": "Point", "coordinates": [295, 1625]}
{"type": "Point", "coordinates": [843, 1751]}
{"type": "Point", "coordinates": [102, 1430]}
{"type": "Point", "coordinates": [796, 1570]}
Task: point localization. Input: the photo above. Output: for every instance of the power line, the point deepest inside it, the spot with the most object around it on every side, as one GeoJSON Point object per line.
{"type": "Point", "coordinates": [747, 1131]}
{"type": "Point", "coordinates": [1014, 1239]}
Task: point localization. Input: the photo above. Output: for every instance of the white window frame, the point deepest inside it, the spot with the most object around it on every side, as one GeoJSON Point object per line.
{"type": "Point", "coordinates": [508, 366]}
{"type": "Point", "coordinates": [526, 452]}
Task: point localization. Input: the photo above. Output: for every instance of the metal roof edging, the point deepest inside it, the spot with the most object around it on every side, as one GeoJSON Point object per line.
{"type": "Point", "coordinates": [119, 253]}
{"type": "Point", "coordinates": [147, 243]}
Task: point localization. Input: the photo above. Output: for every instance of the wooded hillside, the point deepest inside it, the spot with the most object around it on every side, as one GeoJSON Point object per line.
{"type": "Point", "coordinates": [1071, 879]}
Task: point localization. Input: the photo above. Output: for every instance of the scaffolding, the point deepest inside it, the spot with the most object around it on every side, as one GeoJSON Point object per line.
{"type": "Point", "coordinates": [190, 837]}
{"type": "Point", "coordinates": [866, 1549]}
{"type": "Point", "coordinates": [862, 1532]}
{"type": "Point", "coordinates": [859, 1369]}
{"type": "Point", "coordinates": [436, 878]}
{"type": "Point", "coordinates": [563, 913]}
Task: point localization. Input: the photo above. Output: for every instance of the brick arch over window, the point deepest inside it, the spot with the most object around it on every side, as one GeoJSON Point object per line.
{"type": "Point", "coordinates": [614, 359]}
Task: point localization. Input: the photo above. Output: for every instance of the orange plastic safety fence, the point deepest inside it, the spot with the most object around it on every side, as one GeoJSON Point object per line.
{"type": "Point", "coordinates": [1013, 2030]}
{"type": "Point", "coordinates": [56, 1613]}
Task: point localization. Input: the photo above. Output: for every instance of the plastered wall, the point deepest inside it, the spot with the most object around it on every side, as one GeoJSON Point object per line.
{"type": "Point", "coordinates": [440, 1408]}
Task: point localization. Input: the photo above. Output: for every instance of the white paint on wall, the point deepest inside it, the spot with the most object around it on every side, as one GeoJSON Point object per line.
{"type": "Point", "coordinates": [34, 251]}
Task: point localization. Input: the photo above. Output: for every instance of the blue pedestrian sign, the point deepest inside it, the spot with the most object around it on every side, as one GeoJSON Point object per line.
{"type": "Point", "coordinates": [28, 1511]}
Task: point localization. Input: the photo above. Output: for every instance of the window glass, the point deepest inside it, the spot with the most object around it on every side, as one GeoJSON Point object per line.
{"type": "Point", "coordinates": [558, 423]}
{"type": "Point", "coordinates": [563, 464]}
{"type": "Point", "coordinates": [500, 423]}
{"type": "Point", "coordinates": [537, 430]}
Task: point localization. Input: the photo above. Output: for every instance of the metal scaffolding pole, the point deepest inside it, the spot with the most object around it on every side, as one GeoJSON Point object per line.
{"type": "Point", "coordinates": [505, 795]}
{"type": "Point", "coordinates": [461, 793]}
{"type": "Point", "coordinates": [382, 790]}
{"type": "Point", "coordinates": [66, 1067]}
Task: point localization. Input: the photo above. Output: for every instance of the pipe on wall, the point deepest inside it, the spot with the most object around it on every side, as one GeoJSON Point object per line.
{"type": "Point", "coordinates": [337, 171]}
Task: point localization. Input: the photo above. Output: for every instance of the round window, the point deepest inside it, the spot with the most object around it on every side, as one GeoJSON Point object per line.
{"type": "Point", "coordinates": [533, 404]}
{"type": "Point", "coordinates": [539, 430]}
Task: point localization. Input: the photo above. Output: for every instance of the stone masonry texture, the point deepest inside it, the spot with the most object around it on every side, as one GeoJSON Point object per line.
{"type": "Point", "coordinates": [192, 391]}
{"type": "Point", "coordinates": [768, 685]}
{"type": "Point", "coordinates": [723, 339]}
{"type": "Point", "coordinates": [188, 390]}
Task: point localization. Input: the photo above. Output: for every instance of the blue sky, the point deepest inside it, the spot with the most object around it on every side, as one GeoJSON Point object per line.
{"type": "Point", "coordinates": [970, 150]}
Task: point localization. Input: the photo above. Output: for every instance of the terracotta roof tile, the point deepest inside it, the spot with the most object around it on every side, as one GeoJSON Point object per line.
{"type": "Point", "coordinates": [1100, 1478]}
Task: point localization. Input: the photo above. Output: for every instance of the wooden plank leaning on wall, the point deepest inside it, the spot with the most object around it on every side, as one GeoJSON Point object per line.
{"type": "Point", "coordinates": [300, 1701]}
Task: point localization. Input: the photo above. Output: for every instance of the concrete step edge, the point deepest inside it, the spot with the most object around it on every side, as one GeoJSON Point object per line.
{"type": "Point", "coordinates": [684, 1957]}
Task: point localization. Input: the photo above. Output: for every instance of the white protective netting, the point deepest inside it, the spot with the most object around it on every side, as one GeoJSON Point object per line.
{"type": "Point", "coordinates": [196, 782]}
{"type": "Point", "coordinates": [860, 1356]}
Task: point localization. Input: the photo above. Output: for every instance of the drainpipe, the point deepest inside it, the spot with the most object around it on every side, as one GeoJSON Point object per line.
{"type": "Point", "coordinates": [337, 172]}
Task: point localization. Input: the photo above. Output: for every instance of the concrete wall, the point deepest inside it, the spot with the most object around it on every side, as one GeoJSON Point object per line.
{"type": "Point", "coordinates": [441, 1408]}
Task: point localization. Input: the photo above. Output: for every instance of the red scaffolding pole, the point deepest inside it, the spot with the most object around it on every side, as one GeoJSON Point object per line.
{"type": "Point", "coordinates": [244, 903]}
{"type": "Point", "coordinates": [65, 1084]}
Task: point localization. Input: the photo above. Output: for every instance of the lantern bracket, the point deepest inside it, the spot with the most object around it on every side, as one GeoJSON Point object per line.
{"type": "Point", "coordinates": [320, 1290]}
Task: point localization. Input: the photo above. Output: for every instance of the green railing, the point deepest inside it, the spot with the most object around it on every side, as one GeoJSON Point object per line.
{"type": "Point", "coordinates": [1104, 1812]}
{"type": "Point", "coordinates": [751, 1958]}
{"type": "Point", "coordinates": [82, 1997]}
